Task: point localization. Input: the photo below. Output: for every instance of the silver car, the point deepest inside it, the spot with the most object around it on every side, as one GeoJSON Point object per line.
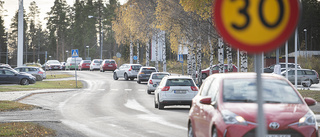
{"type": "Point", "coordinates": [127, 71]}
{"type": "Point", "coordinates": [154, 80]}
{"type": "Point", "coordinates": [95, 64]}
{"type": "Point", "coordinates": [175, 90]}
{"type": "Point", "coordinates": [303, 75]}
{"type": "Point", "coordinates": [37, 72]}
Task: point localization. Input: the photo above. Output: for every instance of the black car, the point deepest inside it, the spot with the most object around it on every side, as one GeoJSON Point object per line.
{"type": "Point", "coordinates": [10, 76]}
{"type": "Point", "coordinates": [144, 73]}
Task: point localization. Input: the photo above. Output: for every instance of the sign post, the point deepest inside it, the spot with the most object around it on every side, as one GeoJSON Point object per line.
{"type": "Point", "coordinates": [256, 26]}
{"type": "Point", "coordinates": [75, 54]}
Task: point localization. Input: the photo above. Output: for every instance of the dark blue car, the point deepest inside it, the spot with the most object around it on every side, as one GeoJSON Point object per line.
{"type": "Point", "coordinates": [10, 76]}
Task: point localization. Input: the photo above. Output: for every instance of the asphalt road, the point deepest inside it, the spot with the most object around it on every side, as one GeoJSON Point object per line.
{"type": "Point", "coordinates": [107, 107]}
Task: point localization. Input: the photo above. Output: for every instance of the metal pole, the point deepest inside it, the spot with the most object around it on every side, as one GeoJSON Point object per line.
{"type": "Point", "coordinates": [295, 58]}
{"type": "Point", "coordinates": [20, 35]}
{"type": "Point", "coordinates": [286, 59]}
{"type": "Point", "coordinates": [260, 118]}
{"type": "Point", "coordinates": [101, 38]}
{"type": "Point", "coordinates": [238, 60]}
{"type": "Point", "coordinates": [7, 47]}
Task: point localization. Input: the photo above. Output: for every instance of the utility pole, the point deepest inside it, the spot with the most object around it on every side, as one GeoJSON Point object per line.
{"type": "Point", "coordinates": [20, 35]}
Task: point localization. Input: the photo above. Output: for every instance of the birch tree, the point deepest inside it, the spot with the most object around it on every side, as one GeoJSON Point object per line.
{"type": "Point", "coordinates": [244, 61]}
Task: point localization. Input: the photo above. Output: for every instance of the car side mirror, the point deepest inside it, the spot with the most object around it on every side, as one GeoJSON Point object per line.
{"type": "Point", "coordinates": [310, 101]}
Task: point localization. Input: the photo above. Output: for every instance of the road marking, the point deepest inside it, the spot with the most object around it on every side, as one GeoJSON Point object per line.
{"type": "Point", "coordinates": [128, 89]}
{"type": "Point", "coordinates": [141, 89]}
{"type": "Point", "coordinates": [114, 89]}
{"type": "Point", "coordinates": [101, 89]}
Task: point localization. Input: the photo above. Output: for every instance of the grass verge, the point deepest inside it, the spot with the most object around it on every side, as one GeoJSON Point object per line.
{"type": "Point", "coordinates": [13, 105]}
{"type": "Point", "coordinates": [311, 93]}
{"type": "Point", "coordinates": [65, 84]}
{"type": "Point", "coordinates": [57, 76]}
{"type": "Point", "coordinates": [25, 130]}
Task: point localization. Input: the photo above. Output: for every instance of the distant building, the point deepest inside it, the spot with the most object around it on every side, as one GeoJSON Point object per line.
{"type": "Point", "coordinates": [305, 53]}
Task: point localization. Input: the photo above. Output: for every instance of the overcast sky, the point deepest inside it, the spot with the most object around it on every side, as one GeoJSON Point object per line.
{"type": "Point", "coordinates": [44, 5]}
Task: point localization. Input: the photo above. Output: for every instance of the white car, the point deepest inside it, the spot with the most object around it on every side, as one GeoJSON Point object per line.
{"type": "Point", "coordinates": [95, 64]}
{"type": "Point", "coordinates": [154, 80]}
{"type": "Point", "coordinates": [127, 71]}
{"type": "Point", "coordinates": [175, 90]}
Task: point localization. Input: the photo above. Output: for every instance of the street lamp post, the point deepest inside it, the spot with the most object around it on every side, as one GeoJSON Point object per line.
{"type": "Point", "coordinates": [100, 33]}
{"type": "Point", "coordinates": [67, 53]}
{"type": "Point", "coordinates": [7, 46]}
{"type": "Point", "coordinates": [88, 51]}
{"type": "Point", "coordinates": [305, 39]}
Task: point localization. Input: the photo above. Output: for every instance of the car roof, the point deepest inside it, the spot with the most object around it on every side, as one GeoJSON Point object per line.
{"type": "Point", "coordinates": [148, 67]}
{"type": "Point", "coordinates": [246, 75]}
{"type": "Point", "coordinates": [27, 67]}
{"type": "Point", "coordinates": [160, 73]}
{"type": "Point", "coordinates": [179, 76]}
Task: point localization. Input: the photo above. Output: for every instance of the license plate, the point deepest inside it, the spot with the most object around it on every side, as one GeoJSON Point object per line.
{"type": "Point", "coordinates": [55, 67]}
{"type": "Point", "coordinates": [180, 91]}
{"type": "Point", "coordinates": [275, 135]}
{"type": "Point", "coordinates": [87, 65]}
{"type": "Point", "coordinates": [110, 65]}
{"type": "Point", "coordinates": [155, 85]}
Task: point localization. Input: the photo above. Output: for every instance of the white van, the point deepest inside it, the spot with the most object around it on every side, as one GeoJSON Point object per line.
{"type": "Point", "coordinates": [73, 63]}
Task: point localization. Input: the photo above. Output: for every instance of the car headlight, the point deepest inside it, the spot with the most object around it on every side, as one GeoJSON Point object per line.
{"type": "Point", "coordinates": [232, 118]}
{"type": "Point", "coordinates": [307, 119]}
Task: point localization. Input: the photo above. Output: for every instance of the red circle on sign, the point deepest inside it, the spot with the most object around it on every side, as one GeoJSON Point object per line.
{"type": "Point", "coordinates": [257, 48]}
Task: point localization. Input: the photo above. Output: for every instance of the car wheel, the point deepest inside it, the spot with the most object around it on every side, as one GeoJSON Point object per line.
{"type": "Point", "coordinates": [131, 79]}
{"type": "Point", "coordinates": [204, 75]}
{"type": "Point", "coordinates": [126, 76]}
{"type": "Point", "coordinates": [138, 81]}
{"type": "Point", "coordinates": [190, 130]}
{"type": "Point", "coordinates": [24, 81]}
{"type": "Point", "coordinates": [115, 77]}
{"type": "Point", "coordinates": [160, 105]}
{"type": "Point", "coordinates": [155, 104]}
{"type": "Point", "coordinates": [39, 78]}
{"type": "Point", "coordinates": [214, 132]}
{"type": "Point", "coordinates": [148, 91]}
{"type": "Point", "coordinates": [307, 84]}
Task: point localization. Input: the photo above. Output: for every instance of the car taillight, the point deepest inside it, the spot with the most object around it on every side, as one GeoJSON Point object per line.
{"type": "Point", "coordinates": [166, 88]}
{"type": "Point", "coordinates": [194, 88]}
{"type": "Point", "coordinates": [116, 65]}
{"type": "Point", "coordinates": [150, 81]}
{"type": "Point", "coordinates": [317, 74]}
{"type": "Point", "coordinates": [93, 64]}
{"type": "Point", "coordinates": [130, 68]}
{"type": "Point", "coordinates": [40, 72]}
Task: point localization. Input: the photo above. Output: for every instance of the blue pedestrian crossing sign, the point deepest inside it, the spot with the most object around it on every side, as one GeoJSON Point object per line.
{"type": "Point", "coordinates": [74, 53]}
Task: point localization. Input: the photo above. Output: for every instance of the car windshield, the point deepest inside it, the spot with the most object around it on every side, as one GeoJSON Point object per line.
{"type": "Point", "coordinates": [148, 70]}
{"type": "Point", "coordinates": [54, 62]}
{"type": "Point", "coordinates": [274, 91]}
{"type": "Point", "coordinates": [97, 61]}
{"type": "Point", "coordinates": [110, 61]}
{"type": "Point", "coordinates": [179, 82]}
{"type": "Point", "coordinates": [136, 67]}
{"type": "Point", "coordinates": [159, 76]}
{"type": "Point", "coordinates": [87, 61]}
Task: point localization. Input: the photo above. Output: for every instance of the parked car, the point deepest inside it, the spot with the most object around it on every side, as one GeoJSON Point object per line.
{"type": "Point", "coordinates": [127, 71]}
{"type": "Point", "coordinates": [10, 76]}
{"type": "Point", "coordinates": [144, 73]}
{"type": "Point", "coordinates": [309, 76]}
{"type": "Point", "coordinates": [73, 63]}
{"type": "Point", "coordinates": [154, 80]}
{"type": "Point", "coordinates": [270, 69]}
{"type": "Point", "coordinates": [175, 90]}
{"type": "Point", "coordinates": [215, 69]}
{"type": "Point", "coordinates": [95, 64]}
{"type": "Point", "coordinates": [84, 65]}
{"type": "Point", "coordinates": [108, 65]}
{"type": "Point", "coordinates": [37, 72]}
{"type": "Point", "coordinates": [53, 65]}
{"type": "Point", "coordinates": [226, 105]}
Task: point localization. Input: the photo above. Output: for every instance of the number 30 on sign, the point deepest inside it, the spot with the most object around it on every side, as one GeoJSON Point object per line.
{"type": "Point", "coordinates": [256, 25]}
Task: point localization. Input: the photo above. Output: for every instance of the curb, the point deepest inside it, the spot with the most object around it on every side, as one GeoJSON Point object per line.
{"type": "Point", "coordinates": [44, 92]}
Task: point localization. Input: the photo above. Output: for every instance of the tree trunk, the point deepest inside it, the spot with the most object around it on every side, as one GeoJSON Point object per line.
{"type": "Point", "coordinates": [131, 51]}
{"type": "Point", "coordinates": [147, 53]}
{"type": "Point", "coordinates": [189, 56]}
{"type": "Point", "coordinates": [244, 61]}
{"type": "Point", "coordinates": [156, 52]}
{"type": "Point", "coordinates": [229, 59]}
{"type": "Point", "coordinates": [211, 55]}
{"type": "Point", "coordinates": [199, 61]}
{"type": "Point", "coordinates": [221, 55]}
{"type": "Point", "coordinates": [138, 52]}
{"type": "Point", "coordinates": [164, 58]}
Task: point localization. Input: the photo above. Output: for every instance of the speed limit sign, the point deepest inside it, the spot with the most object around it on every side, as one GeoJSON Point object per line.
{"type": "Point", "coordinates": [256, 25]}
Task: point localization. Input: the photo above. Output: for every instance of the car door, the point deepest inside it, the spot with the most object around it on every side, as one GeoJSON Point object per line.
{"type": "Point", "coordinates": [11, 77]}
{"type": "Point", "coordinates": [121, 71]}
{"type": "Point", "coordinates": [2, 76]}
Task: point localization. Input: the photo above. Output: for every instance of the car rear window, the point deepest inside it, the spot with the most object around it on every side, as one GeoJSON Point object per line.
{"type": "Point", "coordinates": [110, 62]}
{"type": "Point", "coordinates": [309, 72]}
{"type": "Point", "coordinates": [148, 70]}
{"type": "Point", "coordinates": [136, 67]}
{"type": "Point", "coordinates": [159, 76]}
{"type": "Point", "coordinates": [86, 61]}
{"type": "Point", "coordinates": [245, 90]}
{"type": "Point", "coordinates": [97, 61]}
{"type": "Point", "coordinates": [179, 82]}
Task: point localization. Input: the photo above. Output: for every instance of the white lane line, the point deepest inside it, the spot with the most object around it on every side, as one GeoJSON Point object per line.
{"type": "Point", "coordinates": [128, 89]}
{"type": "Point", "coordinates": [133, 104]}
{"type": "Point", "coordinates": [141, 89]}
{"type": "Point", "coordinates": [114, 89]}
{"type": "Point", "coordinates": [101, 89]}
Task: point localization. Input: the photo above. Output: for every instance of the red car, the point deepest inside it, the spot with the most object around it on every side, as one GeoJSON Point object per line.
{"type": "Point", "coordinates": [226, 106]}
{"type": "Point", "coordinates": [108, 65]}
{"type": "Point", "coordinates": [84, 65]}
{"type": "Point", "coordinates": [205, 72]}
